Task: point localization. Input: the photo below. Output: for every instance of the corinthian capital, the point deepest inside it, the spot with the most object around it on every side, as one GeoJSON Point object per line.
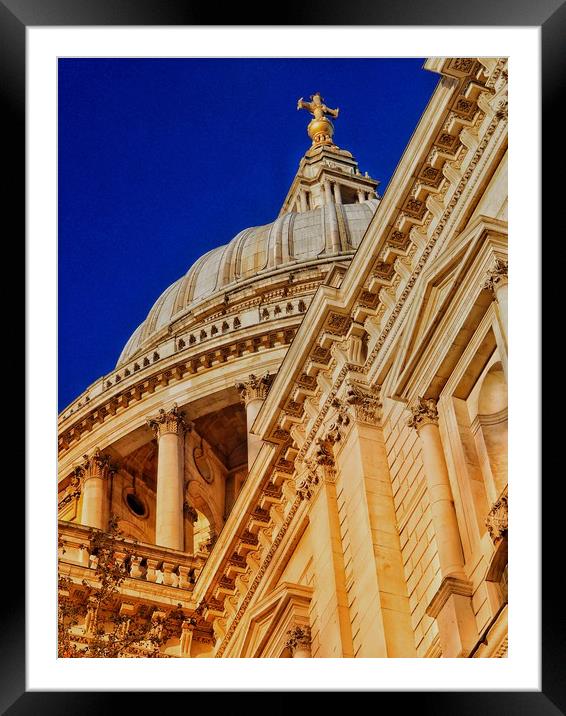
{"type": "Point", "coordinates": [255, 388]}
{"type": "Point", "coordinates": [424, 412]}
{"type": "Point", "coordinates": [497, 275]}
{"type": "Point", "coordinates": [95, 465]}
{"type": "Point", "coordinates": [364, 402]}
{"type": "Point", "coordinates": [299, 637]}
{"type": "Point", "coordinates": [497, 518]}
{"type": "Point", "coordinates": [168, 421]}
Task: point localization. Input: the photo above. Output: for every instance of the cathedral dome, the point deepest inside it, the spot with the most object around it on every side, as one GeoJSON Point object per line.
{"type": "Point", "coordinates": [255, 254]}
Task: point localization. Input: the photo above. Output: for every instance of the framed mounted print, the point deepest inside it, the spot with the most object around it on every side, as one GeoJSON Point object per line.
{"type": "Point", "coordinates": [269, 275]}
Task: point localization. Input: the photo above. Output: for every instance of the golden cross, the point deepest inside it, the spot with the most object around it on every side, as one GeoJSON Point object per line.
{"type": "Point", "coordinates": [317, 107]}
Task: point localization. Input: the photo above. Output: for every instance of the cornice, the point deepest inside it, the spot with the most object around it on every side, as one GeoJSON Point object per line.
{"type": "Point", "coordinates": [96, 411]}
{"type": "Point", "coordinates": [257, 579]}
{"type": "Point", "coordinates": [342, 300]}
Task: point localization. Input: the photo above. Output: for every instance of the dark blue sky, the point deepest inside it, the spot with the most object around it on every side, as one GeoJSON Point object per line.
{"type": "Point", "coordinates": [162, 159]}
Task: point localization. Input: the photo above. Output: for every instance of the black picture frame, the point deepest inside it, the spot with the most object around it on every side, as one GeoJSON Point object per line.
{"type": "Point", "coordinates": [15, 17]}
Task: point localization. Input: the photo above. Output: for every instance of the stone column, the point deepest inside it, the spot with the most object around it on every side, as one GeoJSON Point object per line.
{"type": "Point", "coordinates": [361, 196]}
{"type": "Point", "coordinates": [252, 393]}
{"type": "Point", "coordinates": [169, 428]}
{"type": "Point", "coordinates": [337, 193]}
{"type": "Point", "coordinates": [95, 471]}
{"type": "Point", "coordinates": [327, 192]}
{"type": "Point", "coordinates": [299, 641]}
{"type": "Point", "coordinates": [497, 283]}
{"type": "Point", "coordinates": [303, 200]}
{"type": "Point", "coordinates": [451, 606]}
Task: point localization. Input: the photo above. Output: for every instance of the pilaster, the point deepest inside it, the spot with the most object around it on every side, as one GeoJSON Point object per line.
{"type": "Point", "coordinates": [381, 605]}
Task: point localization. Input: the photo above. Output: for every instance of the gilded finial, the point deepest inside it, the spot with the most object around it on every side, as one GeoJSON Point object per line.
{"type": "Point", "coordinates": [320, 128]}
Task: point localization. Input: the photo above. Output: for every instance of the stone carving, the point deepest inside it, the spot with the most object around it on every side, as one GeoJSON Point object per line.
{"type": "Point", "coordinates": [190, 513]}
{"type": "Point", "coordinates": [324, 454]}
{"type": "Point", "coordinates": [497, 275]}
{"type": "Point", "coordinates": [424, 412]}
{"type": "Point", "coordinates": [307, 481]}
{"type": "Point", "coordinates": [364, 401]}
{"type": "Point", "coordinates": [496, 521]}
{"type": "Point", "coordinates": [95, 465]}
{"type": "Point", "coordinates": [462, 64]}
{"type": "Point", "coordinates": [299, 637]}
{"type": "Point", "coordinates": [168, 421]}
{"type": "Point", "coordinates": [255, 388]}
{"type": "Point", "coordinates": [73, 489]}
{"type": "Point", "coordinates": [338, 324]}
{"type": "Point", "coordinates": [202, 464]}
{"type": "Point", "coordinates": [318, 468]}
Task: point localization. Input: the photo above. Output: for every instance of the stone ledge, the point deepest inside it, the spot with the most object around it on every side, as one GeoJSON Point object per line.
{"type": "Point", "coordinates": [448, 587]}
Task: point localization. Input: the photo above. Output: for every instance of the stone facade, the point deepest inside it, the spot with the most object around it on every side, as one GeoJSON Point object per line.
{"type": "Point", "coordinates": [302, 452]}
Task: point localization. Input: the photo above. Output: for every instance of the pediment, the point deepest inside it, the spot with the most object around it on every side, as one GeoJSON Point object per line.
{"type": "Point", "coordinates": [270, 619]}
{"type": "Point", "coordinates": [434, 295]}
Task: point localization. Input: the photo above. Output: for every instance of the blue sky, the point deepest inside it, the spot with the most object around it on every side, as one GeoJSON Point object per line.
{"type": "Point", "coordinates": [161, 160]}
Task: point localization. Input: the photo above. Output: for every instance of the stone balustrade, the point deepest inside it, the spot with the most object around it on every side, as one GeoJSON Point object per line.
{"type": "Point", "coordinates": [147, 562]}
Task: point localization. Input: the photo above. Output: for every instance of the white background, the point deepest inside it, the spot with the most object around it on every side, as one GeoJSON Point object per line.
{"type": "Point", "coordinates": [521, 670]}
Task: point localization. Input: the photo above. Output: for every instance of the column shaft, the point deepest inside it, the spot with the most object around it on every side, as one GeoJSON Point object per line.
{"type": "Point", "coordinates": [327, 192]}
{"type": "Point", "coordinates": [451, 606]}
{"type": "Point", "coordinates": [95, 474]}
{"type": "Point", "coordinates": [94, 494]}
{"type": "Point", "coordinates": [169, 513]}
{"type": "Point", "coordinates": [254, 441]}
{"type": "Point", "coordinates": [441, 503]}
{"type": "Point", "coordinates": [169, 428]}
{"type": "Point", "coordinates": [337, 193]}
{"type": "Point", "coordinates": [501, 296]}
{"type": "Point", "coordinates": [252, 393]}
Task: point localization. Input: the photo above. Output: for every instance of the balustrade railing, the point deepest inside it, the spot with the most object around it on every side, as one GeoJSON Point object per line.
{"type": "Point", "coordinates": [138, 560]}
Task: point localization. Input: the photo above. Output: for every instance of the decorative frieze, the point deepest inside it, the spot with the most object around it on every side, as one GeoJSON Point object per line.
{"type": "Point", "coordinates": [255, 388]}
{"type": "Point", "coordinates": [424, 411]}
{"type": "Point", "coordinates": [496, 521]}
{"type": "Point", "coordinates": [168, 421]}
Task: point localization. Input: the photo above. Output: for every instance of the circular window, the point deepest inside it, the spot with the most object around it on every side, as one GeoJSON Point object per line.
{"type": "Point", "coordinates": [136, 505]}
